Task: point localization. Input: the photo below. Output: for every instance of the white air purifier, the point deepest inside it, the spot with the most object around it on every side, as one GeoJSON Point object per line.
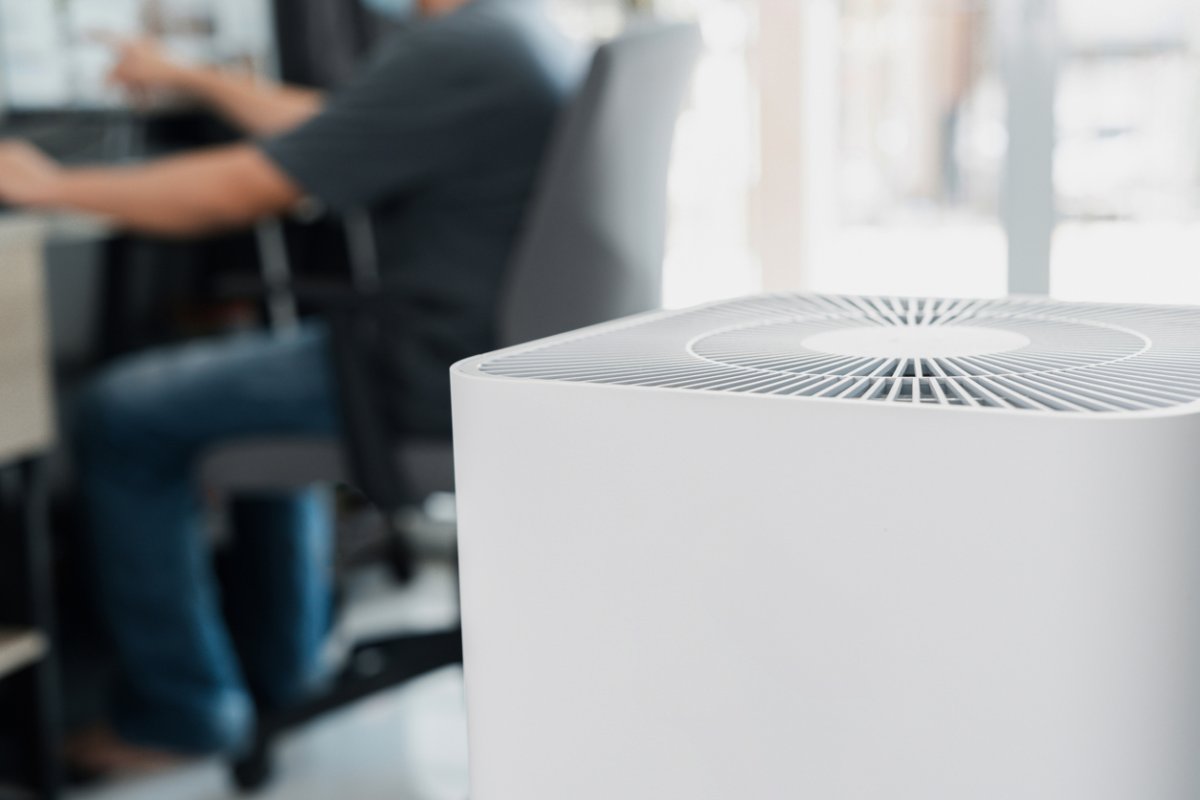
{"type": "Point", "coordinates": [836, 548]}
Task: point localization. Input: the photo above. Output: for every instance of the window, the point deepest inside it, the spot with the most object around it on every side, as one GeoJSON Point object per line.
{"type": "Point", "coordinates": [1128, 153]}
{"type": "Point", "coordinates": [920, 143]}
{"type": "Point", "coordinates": [945, 147]}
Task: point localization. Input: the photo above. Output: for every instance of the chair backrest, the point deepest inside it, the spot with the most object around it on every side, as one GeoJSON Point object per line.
{"type": "Point", "coordinates": [593, 245]}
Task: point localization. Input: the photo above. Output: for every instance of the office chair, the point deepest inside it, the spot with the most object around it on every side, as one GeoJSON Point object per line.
{"type": "Point", "coordinates": [591, 251]}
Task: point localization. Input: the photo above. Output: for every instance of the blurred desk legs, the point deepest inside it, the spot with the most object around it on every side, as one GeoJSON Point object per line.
{"type": "Point", "coordinates": [23, 502]}
{"type": "Point", "coordinates": [27, 651]}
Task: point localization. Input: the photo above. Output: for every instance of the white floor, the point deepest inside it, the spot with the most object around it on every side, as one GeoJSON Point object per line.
{"type": "Point", "coordinates": [408, 744]}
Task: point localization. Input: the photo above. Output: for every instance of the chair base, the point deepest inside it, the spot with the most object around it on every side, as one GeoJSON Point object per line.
{"type": "Point", "coordinates": [373, 667]}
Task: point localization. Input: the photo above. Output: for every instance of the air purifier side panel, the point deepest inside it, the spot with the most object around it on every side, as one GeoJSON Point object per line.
{"type": "Point", "coordinates": [705, 596]}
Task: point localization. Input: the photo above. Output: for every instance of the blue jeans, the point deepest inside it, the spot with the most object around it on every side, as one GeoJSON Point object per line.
{"type": "Point", "coordinates": [185, 681]}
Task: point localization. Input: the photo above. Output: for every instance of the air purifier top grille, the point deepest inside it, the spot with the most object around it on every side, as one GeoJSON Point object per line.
{"type": "Point", "coordinates": [1021, 354]}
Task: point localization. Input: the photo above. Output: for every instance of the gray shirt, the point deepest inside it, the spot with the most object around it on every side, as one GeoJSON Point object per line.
{"type": "Point", "coordinates": [441, 136]}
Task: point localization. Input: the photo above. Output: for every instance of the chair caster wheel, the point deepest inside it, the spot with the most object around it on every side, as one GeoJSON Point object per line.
{"type": "Point", "coordinates": [253, 772]}
{"type": "Point", "coordinates": [400, 559]}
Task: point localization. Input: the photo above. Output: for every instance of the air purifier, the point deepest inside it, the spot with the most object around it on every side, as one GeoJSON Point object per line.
{"type": "Point", "coordinates": [836, 548]}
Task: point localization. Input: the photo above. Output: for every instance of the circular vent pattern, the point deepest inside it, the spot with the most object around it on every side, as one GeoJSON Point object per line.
{"type": "Point", "coordinates": [1028, 354]}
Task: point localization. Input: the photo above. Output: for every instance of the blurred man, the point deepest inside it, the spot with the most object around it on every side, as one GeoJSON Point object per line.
{"type": "Point", "coordinates": [441, 136]}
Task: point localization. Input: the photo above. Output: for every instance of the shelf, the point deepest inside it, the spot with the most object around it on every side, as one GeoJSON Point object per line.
{"type": "Point", "coordinates": [19, 649]}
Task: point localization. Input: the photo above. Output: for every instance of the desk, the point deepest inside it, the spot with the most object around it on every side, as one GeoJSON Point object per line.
{"type": "Point", "coordinates": [26, 410]}
{"type": "Point", "coordinates": [27, 430]}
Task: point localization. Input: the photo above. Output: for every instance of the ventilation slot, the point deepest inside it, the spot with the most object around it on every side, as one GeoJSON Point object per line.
{"type": "Point", "coordinates": [1059, 357]}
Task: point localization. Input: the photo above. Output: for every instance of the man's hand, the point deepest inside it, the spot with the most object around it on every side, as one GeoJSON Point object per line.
{"type": "Point", "coordinates": [143, 67]}
{"type": "Point", "coordinates": [28, 177]}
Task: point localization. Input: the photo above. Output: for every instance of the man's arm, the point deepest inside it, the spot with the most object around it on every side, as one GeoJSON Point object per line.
{"type": "Point", "coordinates": [225, 188]}
{"type": "Point", "coordinates": [258, 106]}
{"type": "Point", "coordinates": [254, 105]}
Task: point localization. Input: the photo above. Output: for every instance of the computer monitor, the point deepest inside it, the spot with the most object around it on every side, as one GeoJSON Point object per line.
{"type": "Point", "coordinates": [53, 57]}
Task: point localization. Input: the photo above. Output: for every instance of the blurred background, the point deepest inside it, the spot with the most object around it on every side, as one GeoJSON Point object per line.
{"type": "Point", "coordinates": [913, 147]}
{"type": "Point", "coordinates": [940, 147]}
{"type": "Point", "coordinates": [944, 147]}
